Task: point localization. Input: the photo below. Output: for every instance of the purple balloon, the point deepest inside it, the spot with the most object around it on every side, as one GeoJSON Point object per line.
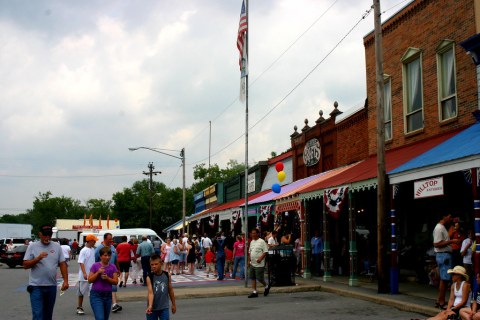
{"type": "Point", "coordinates": [276, 188]}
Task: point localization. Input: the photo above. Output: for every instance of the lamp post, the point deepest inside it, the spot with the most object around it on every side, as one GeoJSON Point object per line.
{"type": "Point", "coordinates": [181, 157]}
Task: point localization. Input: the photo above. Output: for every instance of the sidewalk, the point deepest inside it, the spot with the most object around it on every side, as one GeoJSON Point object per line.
{"type": "Point", "coordinates": [419, 298]}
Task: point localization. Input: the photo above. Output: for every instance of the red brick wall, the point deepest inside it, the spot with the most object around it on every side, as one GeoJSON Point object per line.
{"type": "Point", "coordinates": [352, 139]}
{"type": "Point", "coordinates": [423, 25]}
{"type": "Point", "coordinates": [341, 144]}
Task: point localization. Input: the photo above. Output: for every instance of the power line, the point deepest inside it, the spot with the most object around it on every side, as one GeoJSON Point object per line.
{"type": "Point", "coordinates": [296, 86]}
{"type": "Point", "coordinates": [266, 70]}
{"type": "Point", "coordinates": [68, 177]}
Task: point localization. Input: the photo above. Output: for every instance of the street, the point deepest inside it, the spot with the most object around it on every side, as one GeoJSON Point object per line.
{"type": "Point", "coordinates": [15, 304]}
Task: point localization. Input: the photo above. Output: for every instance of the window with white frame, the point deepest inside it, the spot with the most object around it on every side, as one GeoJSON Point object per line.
{"type": "Point", "coordinates": [387, 101]}
{"type": "Point", "coordinates": [412, 90]}
{"type": "Point", "coordinates": [447, 88]}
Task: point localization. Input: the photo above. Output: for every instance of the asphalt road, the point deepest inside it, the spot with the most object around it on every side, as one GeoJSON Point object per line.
{"type": "Point", "coordinates": [15, 304]}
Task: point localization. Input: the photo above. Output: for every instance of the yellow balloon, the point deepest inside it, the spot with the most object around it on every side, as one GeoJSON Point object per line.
{"type": "Point", "coordinates": [281, 176]}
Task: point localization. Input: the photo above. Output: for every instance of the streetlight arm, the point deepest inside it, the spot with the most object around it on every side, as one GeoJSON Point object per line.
{"type": "Point", "coordinates": [154, 150]}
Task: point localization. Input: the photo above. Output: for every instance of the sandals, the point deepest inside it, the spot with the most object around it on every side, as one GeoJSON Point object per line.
{"type": "Point", "coordinates": [440, 305]}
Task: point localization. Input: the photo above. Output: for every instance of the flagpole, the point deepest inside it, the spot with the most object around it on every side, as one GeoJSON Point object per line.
{"type": "Point", "coordinates": [246, 151]}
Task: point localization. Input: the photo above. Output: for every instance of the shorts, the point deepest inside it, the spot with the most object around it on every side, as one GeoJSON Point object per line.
{"type": "Point", "coordinates": [444, 262]}
{"type": "Point", "coordinates": [83, 288]}
{"type": "Point", "coordinates": [114, 288]}
{"type": "Point", "coordinates": [124, 266]}
{"type": "Point", "coordinates": [257, 273]}
{"type": "Point", "coordinates": [183, 257]}
{"type": "Point", "coordinates": [174, 262]}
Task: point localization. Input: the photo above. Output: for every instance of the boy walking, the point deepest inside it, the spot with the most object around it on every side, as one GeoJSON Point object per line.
{"type": "Point", "coordinates": [86, 259]}
{"type": "Point", "coordinates": [160, 290]}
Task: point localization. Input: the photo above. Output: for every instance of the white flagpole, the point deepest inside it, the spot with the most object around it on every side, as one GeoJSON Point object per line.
{"type": "Point", "coordinates": [246, 151]}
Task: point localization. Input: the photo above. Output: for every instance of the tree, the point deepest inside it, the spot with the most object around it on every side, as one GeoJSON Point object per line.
{"type": "Point", "coordinates": [99, 208]}
{"type": "Point", "coordinates": [47, 209]}
{"type": "Point", "coordinates": [132, 205]}
{"type": "Point", "coordinates": [206, 177]}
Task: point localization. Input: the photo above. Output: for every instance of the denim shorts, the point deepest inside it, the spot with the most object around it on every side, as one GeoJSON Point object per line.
{"type": "Point", "coordinates": [444, 262]}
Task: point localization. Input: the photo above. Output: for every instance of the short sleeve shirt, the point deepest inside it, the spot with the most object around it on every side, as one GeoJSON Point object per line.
{"type": "Point", "coordinates": [440, 233]}
{"type": "Point", "coordinates": [87, 258]}
{"type": "Point", "coordinates": [44, 273]}
{"type": "Point", "coordinates": [257, 249]}
{"type": "Point", "coordinates": [101, 284]}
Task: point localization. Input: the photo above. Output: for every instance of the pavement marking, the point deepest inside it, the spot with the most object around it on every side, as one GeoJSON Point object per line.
{"type": "Point", "coordinates": [199, 277]}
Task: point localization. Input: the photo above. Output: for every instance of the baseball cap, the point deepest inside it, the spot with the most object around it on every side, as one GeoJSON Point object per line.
{"type": "Point", "coordinates": [46, 230]}
{"type": "Point", "coordinates": [91, 237]}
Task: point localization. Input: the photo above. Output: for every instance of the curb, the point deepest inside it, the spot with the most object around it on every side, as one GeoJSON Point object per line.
{"type": "Point", "coordinates": [210, 292]}
{"type": "Point", "coordinates": [383, 300]}
{"type": "Point", "coordinates": [194, 293]}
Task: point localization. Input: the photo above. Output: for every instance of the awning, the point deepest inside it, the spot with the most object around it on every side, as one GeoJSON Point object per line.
{"type": "Point", "coordinates": [460, 152]}
{"type": "Point", "coordinates": [270, 196]}
{"type": "Point", "coordinates": [291, 201]}
{"type": "Point", "coordinates": [364, 174]}
{"type": "Point", "coordinates": [176, 226]}
{"type": "Point", "coordinates": [226, 208]}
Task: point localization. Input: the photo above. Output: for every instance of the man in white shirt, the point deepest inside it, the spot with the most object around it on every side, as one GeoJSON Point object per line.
{"type": "Point", "coordinates": [86, 259]}
{"type": "Point", "coordinates": [206, 243]}
{"type": "Point", "coordinates": [257, 252]}
{"type": "Point", "coordinates": [443, 255]}
{"type": "Point", "coordinates": [272, 241]}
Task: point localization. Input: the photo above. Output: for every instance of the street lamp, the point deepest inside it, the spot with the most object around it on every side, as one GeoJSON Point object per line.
{"type": "Point", "coordinates": [181, 157]}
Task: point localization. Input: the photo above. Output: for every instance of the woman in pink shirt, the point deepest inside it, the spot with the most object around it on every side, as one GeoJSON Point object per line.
{"type": "Point", "coordinates": [239, 257]}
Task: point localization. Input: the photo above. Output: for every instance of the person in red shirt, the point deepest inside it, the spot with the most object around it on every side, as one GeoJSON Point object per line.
{"type": "Point", "coordinates": [74, 249]}
{"type": "Point", "coordinates": [209, 260]}
{"type": "Point", "coordinates": [124, 254]}
{"type": "Point", "coordinates": [228, 261]}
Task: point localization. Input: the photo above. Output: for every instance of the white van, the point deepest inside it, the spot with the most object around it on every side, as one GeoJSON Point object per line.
{"type": "Point", "coordinates": [83, 235]}
{"type": "Point", "coordinates": [130, 234]}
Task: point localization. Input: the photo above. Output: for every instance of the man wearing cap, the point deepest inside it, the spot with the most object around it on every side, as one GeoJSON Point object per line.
{"type": "Point", "coordinates": [86, 259]}
{"type": "Point", "coordinates": [42, 258]}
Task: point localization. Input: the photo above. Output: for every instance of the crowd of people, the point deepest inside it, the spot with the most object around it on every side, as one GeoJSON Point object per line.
{"type": "Point", "coordinates": [453, 254]}
{"type": "Point", "coordinates": [104, 268]}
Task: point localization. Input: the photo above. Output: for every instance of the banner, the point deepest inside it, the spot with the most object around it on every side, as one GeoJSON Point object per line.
{"type": "Point", "coordinates": [265, 213]}
{"type": "Point", "coordinates": [211, 221]}
{"type": "Point", "coordinates": [334, 200]}
{"type": "Point", "coordinates": [236, 216]}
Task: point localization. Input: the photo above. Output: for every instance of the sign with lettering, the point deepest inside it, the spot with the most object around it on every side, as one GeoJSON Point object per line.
{"type": "Point", "coordinates": [311, 152]}
{"type": "Point", "coordinates": [428, 188]}
{"type": "Point", "coordinates": [251, 183]}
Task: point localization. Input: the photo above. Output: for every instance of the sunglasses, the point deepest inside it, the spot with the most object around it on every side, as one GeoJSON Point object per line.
{"type": "Point", "coordinates": [107, 254]}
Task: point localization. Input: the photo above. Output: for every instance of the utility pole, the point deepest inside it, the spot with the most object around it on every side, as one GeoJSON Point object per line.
{"type": "Point", "coordinates": [151, 173]}
{"type": "Point", "coordinates": [184, 199]}
{"type": "Point", "coordinates": [381, 175]}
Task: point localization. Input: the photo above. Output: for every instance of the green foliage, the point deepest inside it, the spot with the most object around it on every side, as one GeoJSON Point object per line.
{"type": "Point", "coordinates": [205, 177]}
{"type": "Point", "coordinates": [132, 205]}
{"type": "Point", "coordinates": [47, 209]}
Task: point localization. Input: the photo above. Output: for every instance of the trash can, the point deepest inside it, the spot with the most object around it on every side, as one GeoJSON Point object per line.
{"type": "Point", "coordinates": [281, 266]}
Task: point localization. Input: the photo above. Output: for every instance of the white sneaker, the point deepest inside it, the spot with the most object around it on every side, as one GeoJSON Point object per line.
{"type": "Point", "coordinates": [80, 311]}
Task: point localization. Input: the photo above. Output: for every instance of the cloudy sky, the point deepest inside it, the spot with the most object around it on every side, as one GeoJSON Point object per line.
{"type": "Point", "coordinates": [82, 81]}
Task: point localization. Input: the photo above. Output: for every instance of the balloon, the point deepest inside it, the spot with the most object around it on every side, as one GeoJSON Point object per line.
{"type": "Point", "coordinates": [276, 188]}
{"type": "Point", "coordinates": [281, 176]}
{"type": "Point", "coordinates": [279, 166]}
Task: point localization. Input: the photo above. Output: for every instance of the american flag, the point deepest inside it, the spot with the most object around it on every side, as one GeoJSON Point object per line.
{"type": "Point", "coordinates": [242, 31]}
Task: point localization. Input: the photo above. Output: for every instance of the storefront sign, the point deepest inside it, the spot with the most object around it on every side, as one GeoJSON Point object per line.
{"type": "Point", "coordinates": [311, 152]}
{"type": "Point", "coordinates": [428, 188]}
{"type": "Point", "coordinates": [251, 183]}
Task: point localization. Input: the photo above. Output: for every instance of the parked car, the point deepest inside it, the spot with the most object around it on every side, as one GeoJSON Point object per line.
{"type": "Point", "coordinates": [15, 257]}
